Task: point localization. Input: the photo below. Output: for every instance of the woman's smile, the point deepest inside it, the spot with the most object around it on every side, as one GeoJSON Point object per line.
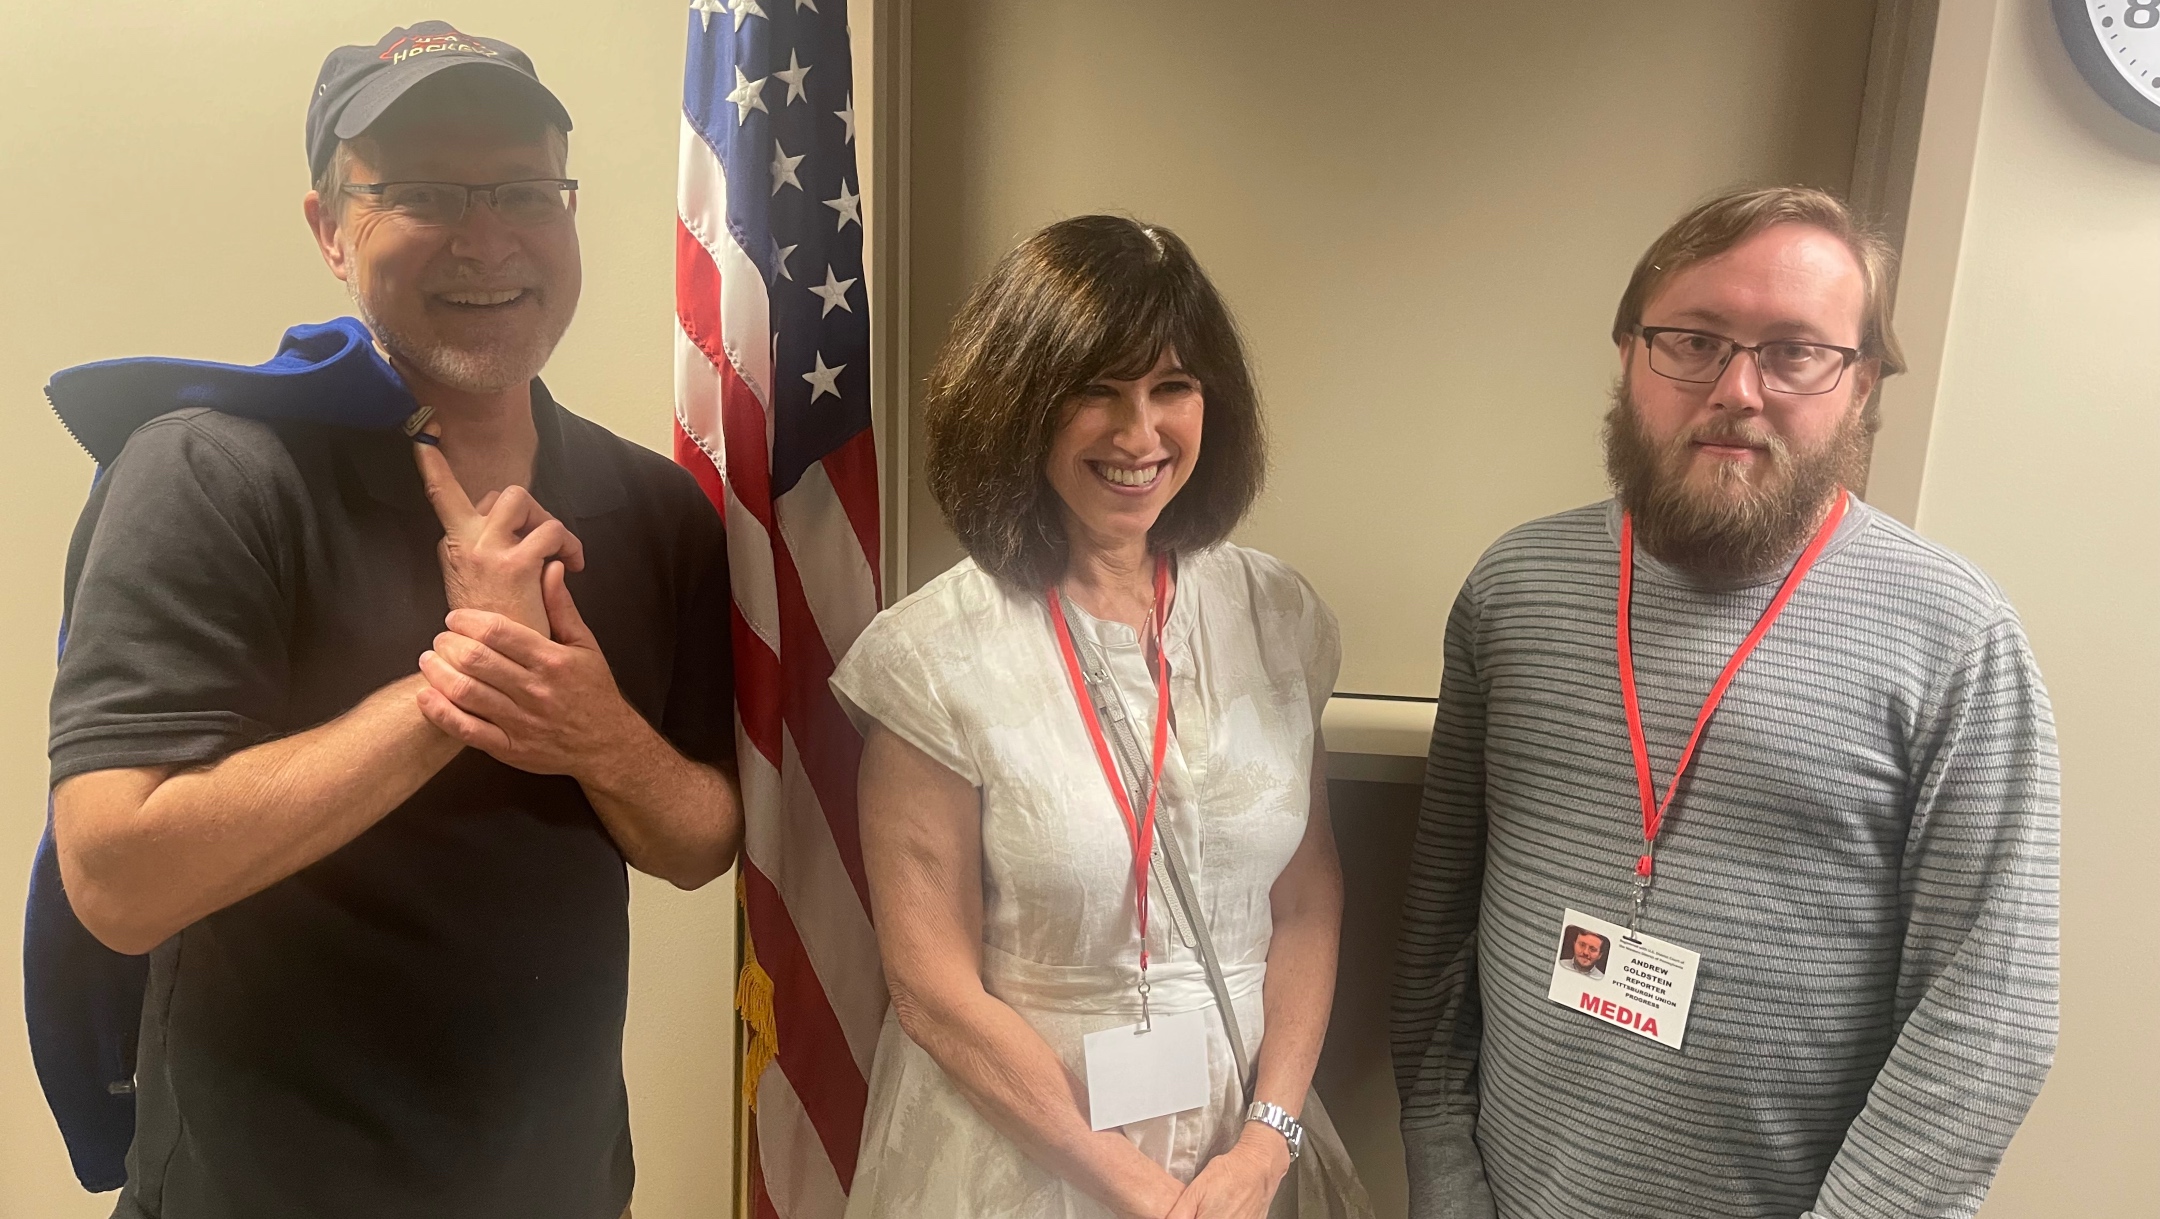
{"type": "Point", "coordinates": [1128, 479]}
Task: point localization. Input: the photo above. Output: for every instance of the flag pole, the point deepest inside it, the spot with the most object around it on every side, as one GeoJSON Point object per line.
{"type": "Point", "coordinates": [745, 1116]}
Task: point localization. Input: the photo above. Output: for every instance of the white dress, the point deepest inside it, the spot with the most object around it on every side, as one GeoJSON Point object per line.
{"type": "Point", "coordinates": [968, 671]}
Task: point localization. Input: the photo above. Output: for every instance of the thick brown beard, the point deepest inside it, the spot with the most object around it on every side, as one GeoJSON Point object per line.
{"type": "Point", "coordinates": [1748, 525]}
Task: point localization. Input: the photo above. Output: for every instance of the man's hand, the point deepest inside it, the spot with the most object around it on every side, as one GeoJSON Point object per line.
{"type": "Point", "coordinates": [1241, 1182]}
{"type": "Point", "coordinates": [546, 706]}
{"type": "Point", "coordinates": [551, 707]}
{"type": "Point", "coordinates": [492, 554]}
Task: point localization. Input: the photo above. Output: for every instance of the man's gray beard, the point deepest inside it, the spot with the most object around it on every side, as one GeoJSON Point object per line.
{"type": "Point", "coordinates": [1751, 522]}
{"type": "Point", "coordinates": [490, 370]}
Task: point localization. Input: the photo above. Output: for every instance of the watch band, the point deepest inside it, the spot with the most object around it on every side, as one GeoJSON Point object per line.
{"type": "Point", "coordinates": [1278, 1119]}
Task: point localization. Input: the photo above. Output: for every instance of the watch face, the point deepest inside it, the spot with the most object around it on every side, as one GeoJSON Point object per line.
{"type": "Point", "coordinates": [2116, 44]}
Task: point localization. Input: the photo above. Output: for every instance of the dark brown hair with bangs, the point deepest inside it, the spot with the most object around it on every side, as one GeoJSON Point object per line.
{"type": "Point", "coordinates": [1086, 298]}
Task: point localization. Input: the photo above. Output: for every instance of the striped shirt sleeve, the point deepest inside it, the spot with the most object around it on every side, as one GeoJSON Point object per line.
{"type": "Point", "coordinates": [1436, 1021]}
{"type": "Point", "coordinates": [1978, 978]}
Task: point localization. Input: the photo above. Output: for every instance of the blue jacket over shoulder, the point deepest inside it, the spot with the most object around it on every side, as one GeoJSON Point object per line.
{"type": "Point", "coordinates": [83, 1000]}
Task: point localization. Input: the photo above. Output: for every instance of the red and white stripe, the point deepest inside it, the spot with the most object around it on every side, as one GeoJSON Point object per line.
{"type": "Point", "coordinates": [806, 581]}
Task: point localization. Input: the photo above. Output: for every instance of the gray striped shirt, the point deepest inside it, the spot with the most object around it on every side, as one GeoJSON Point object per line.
{"type": "Point", "coordinates": [1864, 852]}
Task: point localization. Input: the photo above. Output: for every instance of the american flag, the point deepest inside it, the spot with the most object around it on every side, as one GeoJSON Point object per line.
{"type": "Point", "coordinates": [772, 412]}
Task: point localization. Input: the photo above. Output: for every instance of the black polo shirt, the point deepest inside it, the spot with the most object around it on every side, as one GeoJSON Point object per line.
{"type": "Point", "coordinates": [428, 1022]}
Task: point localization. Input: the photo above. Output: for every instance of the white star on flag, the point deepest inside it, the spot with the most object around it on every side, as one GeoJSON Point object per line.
{"type": "Point", "coordinates": [705, 9]}
{"type": "Point", "coordinates": [800, 5]}
{"type": "Point", "coordinates": [748, 95]}
{"type": "Point", "coordinates": [745, 10]}
{"type": "Point", "coordinates": [834, 292]}
{"type": "Point", "coordinates": [783, 168]}
{"type": "Point", "coordinates": [779, 260]}
{"type": "Point", "coordinates": [824, 380]}
{"type": "Point", "coordinates": [848, 116]}
{"type": "Point", "coordinates": [793, 74]}
{"type": "Point", "coordinates": [848, 205]}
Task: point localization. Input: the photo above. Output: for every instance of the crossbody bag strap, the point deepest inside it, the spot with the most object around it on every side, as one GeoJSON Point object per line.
{"type": "Point", "coordinates": [1132, 767]}
{"type": "Point", "coordinates": [1181, 889]}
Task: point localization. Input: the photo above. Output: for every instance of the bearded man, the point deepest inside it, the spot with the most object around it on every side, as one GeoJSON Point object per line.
{"type": "Point", "coordinates": [1794, 758]}
{"type": "Point", "coordinates": [1583, 952]}
{"type": "Point", "coordinates": [354, 735]}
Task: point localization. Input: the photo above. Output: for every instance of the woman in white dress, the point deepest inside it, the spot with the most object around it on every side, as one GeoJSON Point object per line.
{"type": "Point", "coordinates": [1066, 419]}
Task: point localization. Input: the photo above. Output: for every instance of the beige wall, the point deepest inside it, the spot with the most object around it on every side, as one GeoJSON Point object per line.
{"type": "Point", "coordinates": [153, 176]}
{"type": "Point", "coordinates": [2041, 468]}
{"type": "Point", "coordinates": [1422, 214]}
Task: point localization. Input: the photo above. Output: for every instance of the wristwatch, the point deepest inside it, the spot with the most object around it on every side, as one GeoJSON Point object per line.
{"type": "Point", "coordinates": [1278, 1119]}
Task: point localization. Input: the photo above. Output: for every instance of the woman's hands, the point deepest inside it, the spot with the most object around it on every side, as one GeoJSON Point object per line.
{"type": "Point", "coordinates": [1241, 1182]}
{"type": "Point", "coordinates": [1154, 1196]}
{"type": "Point", "coordinates": [922, 848]}
{"type": "Point", "coordinates": [1306, 902]}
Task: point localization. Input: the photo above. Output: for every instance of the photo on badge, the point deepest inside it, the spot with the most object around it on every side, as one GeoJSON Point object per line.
{"type": "Point", "coordinates": [1584, 951]}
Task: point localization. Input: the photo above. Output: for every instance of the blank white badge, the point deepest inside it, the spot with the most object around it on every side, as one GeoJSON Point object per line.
{"type": "Point", "coordinates": [1133, 1076]}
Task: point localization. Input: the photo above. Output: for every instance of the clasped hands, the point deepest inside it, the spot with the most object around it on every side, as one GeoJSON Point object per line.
{"type": "Point", "coordinates": [1238, 1184]}
{"type": "Point", "coordinates": [516, 674]}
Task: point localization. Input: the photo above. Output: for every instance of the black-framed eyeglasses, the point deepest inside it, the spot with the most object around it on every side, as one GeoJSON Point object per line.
{"type": "Point", "coordinates": [1788, 366]}
{"type": "Point", "coordinates": [521, 204]}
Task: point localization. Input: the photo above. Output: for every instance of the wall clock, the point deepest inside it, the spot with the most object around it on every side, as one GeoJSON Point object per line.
{"type": "Point", "coordinates": [2116, 44]}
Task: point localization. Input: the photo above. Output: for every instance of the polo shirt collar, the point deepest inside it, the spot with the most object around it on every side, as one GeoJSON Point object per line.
{"type": "Point", "coordinates": [584, 484]}
{"type": "Point", "coordinates": [383, 461]}
{"type": "Point", "coordinates": [572, 484]}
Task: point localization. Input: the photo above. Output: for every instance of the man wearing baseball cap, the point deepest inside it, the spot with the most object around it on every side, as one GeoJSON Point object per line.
{"type": "Point", "coordinates": [356, 728]}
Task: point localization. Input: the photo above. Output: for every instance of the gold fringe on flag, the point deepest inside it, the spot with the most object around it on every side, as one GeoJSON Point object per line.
{"type": "Point", "coordinates": [754, 1002]}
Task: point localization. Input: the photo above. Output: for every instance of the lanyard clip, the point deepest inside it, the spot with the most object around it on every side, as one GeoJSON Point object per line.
{"type": "Point", "coordinates": [1645, 876]}
{"type": "Point", "coordinates": [1147, 1023]}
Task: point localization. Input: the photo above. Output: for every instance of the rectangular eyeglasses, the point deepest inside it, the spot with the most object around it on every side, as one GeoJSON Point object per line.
{"type": "Point", "coordinates": [1788, 366]}
{"type": "Point", "coordinates": [521, 204]}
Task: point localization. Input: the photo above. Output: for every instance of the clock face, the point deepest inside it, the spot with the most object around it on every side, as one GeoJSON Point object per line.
{"type": "Point", "coordinates": [2116, 44]}
{"type": "Point", "coordinates": [2129, 32]}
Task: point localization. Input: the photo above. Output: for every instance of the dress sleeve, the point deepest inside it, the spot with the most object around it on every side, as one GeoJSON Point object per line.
{"type": "Point", "coordinates": [885, 679]}
{"type": "Point", "coordinates": [1321, 645]}
{"type": "Point", "coordinates": [176, 649]}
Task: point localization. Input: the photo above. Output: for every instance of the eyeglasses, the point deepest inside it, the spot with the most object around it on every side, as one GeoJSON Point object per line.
{"type": "Point", "coordinates": [521, 204]}
{"type": "Point", "coordinates": [1788, 366]}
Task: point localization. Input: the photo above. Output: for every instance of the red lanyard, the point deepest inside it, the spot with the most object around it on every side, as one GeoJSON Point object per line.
{"type": "Point", "coordinates": [1653, 809]}
{"type": "Point", "coordinates": [1140, 830]}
